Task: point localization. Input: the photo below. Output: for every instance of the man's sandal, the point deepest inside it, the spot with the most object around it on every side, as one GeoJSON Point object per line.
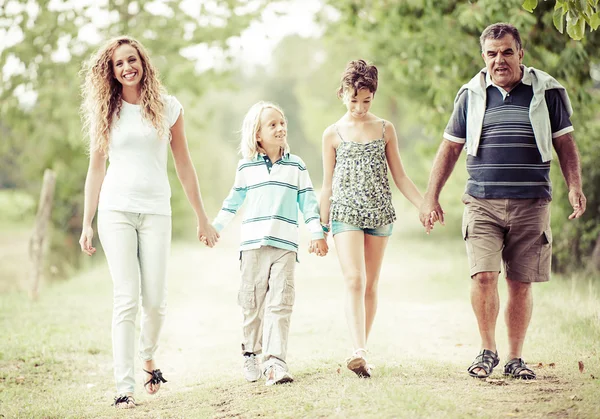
{"type": "Point", "coordinates": [124, 402]}
{"type": "Point", "coordinates": [487, 361]}
{"type": "Point", "coordinates": [156, 378]}
{"type": "Point", "coordinates": [516, 368]}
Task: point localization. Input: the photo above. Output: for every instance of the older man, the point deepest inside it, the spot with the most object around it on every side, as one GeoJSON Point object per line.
{"type": "Point", "coordinates": [507, 117]}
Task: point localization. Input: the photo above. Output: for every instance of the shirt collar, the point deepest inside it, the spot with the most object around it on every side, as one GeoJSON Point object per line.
{"type": "Point", "coordinates": [261, 156]}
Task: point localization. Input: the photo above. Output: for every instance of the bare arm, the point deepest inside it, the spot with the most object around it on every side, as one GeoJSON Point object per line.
{"type": "Point", "coordinates": [570, 165]}
{"type": "Point", "coordinates": [443, 164]}
{"type": "Point", "coordinates": [93, 184]}
{"type": "Point", "coordinates": [401, 179]}
{"type": "Point", "coordinates": [329, 142]}
{"type": "Point", "coordinates": [189, 181]}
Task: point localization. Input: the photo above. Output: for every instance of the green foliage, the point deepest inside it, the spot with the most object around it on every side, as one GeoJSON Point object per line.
{"type": "Point", "coordinates": [577, 14]}
{"type": "Point", "coordinates": [46, 132]}
{"type": "Point", "coordinates": [424, 63]}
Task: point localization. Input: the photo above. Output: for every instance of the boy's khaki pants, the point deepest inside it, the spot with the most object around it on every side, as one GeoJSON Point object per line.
{"type": "Point", "coordinates": [266, 296]}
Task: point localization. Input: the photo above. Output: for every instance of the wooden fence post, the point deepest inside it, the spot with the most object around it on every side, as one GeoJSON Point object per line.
{"type": "Point", "coordinates": [36, 243]}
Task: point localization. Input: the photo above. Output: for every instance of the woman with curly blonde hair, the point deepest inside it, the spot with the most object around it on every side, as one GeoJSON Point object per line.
{"type": "Point", "coordinates": [131, 121]}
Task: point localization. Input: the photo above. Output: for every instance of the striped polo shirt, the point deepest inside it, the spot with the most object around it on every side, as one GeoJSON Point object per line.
{"type": "Point", "coordinates": [508, 163]}
{"type": "Point", "coordinates": [273, 196]}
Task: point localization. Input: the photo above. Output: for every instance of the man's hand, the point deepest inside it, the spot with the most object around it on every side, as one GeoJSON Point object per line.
{"type": "Point", "coordinates": [318, 247]}
{"type": "Point", "coordinates": [430, 212]}
{"type": "Point", "coordinates": [578, 202]}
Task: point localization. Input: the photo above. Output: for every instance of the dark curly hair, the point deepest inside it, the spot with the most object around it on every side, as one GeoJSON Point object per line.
{"type": "Point", "coordinates": [358, 75]}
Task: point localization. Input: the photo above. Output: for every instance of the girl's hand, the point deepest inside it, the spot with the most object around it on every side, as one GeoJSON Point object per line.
{"type": "Point", "coordinates": [207, 233]}
{"type": "Point", "coordinates": [85, 241]}
{"type": "Point", "coordinates": [318, 247]}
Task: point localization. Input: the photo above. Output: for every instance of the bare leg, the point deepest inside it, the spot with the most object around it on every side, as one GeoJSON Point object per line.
{"type": "Point", "coordinates": [486, 305]}
{"type": "Point", "coordinates": [518, 315]}
{"type": "Point", "coordinates": [350, 251]}
{"type": "Point", "coordinates": [374, 250]}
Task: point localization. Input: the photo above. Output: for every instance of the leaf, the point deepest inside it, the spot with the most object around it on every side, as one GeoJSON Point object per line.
{"type": "Point", "coordinates": [595, 21]}
{"type": "Point", "coordinates": [557, 18]}
{"type": "Point", "coordinates": [530, 5]}
{"type": "Point", "coordinates": [576, 28]}
{"type": "Point", "coordinates": [581, 366]}
{"type": "Point", "coordinates": [552, 365]}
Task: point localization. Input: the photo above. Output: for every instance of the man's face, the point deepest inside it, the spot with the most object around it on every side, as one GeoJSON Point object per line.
{"type": "Point", "coordinates": [503, 61]}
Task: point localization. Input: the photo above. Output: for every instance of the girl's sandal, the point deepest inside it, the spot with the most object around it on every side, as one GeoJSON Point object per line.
{"type": "Point", "coordinates": [156, 378]}
{"type": "Point", "coordinates": [358, 364]}
{"type": "Point", "coordinates": [124, 402]}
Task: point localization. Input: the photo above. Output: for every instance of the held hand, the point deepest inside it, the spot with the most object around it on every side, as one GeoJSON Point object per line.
{"type": "Point", "coordinates": [430, 212]}
{"type": "Point", "coordinates": [207, 234]}
{"type": "Point", "coordinates": [85, 241]}
{"type": "Point", "coordinates": [578, 202]}
{"type": "Point", "coordinates": [318, 247]}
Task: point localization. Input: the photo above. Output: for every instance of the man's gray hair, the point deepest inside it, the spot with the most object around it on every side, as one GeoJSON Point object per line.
{"type": "Point", "coordinates": [499, 31]}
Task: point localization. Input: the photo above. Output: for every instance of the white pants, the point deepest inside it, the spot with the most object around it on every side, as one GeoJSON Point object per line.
{"type": "Point", "coordinates": [136, 247]}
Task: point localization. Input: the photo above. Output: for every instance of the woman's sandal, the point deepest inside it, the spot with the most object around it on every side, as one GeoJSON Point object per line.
{"type": "Point", "coordinates": [487, 361]}
{"type": "Point", "coordinates": [124, 402]}
{"type": "Point", "coordinates": [156, 378]}
{"type": "Point", "coordinates": [358, 364]}
{"type": "Point", "coordinates": [515, 367]}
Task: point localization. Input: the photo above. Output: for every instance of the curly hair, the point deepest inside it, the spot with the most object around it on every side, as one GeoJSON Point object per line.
{"type": "Point", "coordinates": [102, 94]}
{"type": "Point", "coordinates": [358, 75]}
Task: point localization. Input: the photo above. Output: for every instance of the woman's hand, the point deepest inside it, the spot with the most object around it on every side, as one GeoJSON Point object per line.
{"type": "Point", "coordinates": [85, 241]}
{"type": "Point", "coordinates": [207, 233]}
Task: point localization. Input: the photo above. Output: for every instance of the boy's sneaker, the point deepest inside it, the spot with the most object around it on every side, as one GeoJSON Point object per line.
{"type": "Point", "coordinates": [277, 374]}
{"type": "Point", "coordinates": [251, 368]}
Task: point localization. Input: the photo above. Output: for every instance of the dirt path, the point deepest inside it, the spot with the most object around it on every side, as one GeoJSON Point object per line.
{"type": "Point", "coordinates": [419, 315]}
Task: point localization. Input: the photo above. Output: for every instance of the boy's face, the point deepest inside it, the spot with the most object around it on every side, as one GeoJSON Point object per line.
{"type": "Point", "coordinates": [273, 130]}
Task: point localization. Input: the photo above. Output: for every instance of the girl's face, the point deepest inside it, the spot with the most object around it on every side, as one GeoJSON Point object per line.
{"type": "Point", "coordinates": [273, 129]}
{"type": "Point", "coordinates": [127, 65]}
{"type": "Point", "coordinates": [358, 106]}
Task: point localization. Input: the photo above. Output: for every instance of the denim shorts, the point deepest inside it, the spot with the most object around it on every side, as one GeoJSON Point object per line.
{"type": "Point", "coordinates": [340, 227]}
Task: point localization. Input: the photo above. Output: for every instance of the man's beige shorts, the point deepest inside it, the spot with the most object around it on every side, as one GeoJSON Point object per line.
{"type": "Point", "coordinates": [514, 231]}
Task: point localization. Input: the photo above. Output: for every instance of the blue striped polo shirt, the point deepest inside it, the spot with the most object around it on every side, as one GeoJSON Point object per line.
{"type": "Point", "coordinates": [508, 163]}
{"type": "Point", "coordinates": [273, 193]}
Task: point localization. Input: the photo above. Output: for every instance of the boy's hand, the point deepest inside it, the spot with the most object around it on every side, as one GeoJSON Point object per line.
{"type": "Point", "coordinates": [318, 247]}
{"type": "Point", "coordinates": [207, 234]}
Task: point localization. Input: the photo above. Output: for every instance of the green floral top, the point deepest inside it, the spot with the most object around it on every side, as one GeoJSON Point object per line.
{"type": "Point", "coordinates": [361, 193]}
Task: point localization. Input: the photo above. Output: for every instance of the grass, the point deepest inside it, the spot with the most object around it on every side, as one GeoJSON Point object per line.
{"type": "Point", "coordinates": [56, 359]}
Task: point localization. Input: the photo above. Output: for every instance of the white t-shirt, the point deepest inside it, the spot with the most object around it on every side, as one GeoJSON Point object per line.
{"type": "Point", "coordinates": [136, 179]}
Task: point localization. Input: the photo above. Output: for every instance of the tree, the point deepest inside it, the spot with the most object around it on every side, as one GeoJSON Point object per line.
{"type": "Point", "coordinates": [45, 131]}
{"type": "Point", "coordinates": [576, 13]}
{"type": "Point", "coordinates": [426, 49]}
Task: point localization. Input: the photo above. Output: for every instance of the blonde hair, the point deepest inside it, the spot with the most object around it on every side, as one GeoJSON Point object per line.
{"type": "Point", "coordinates": [102, 94]}
{"type": "Point", "coordinates": [249, 147]}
